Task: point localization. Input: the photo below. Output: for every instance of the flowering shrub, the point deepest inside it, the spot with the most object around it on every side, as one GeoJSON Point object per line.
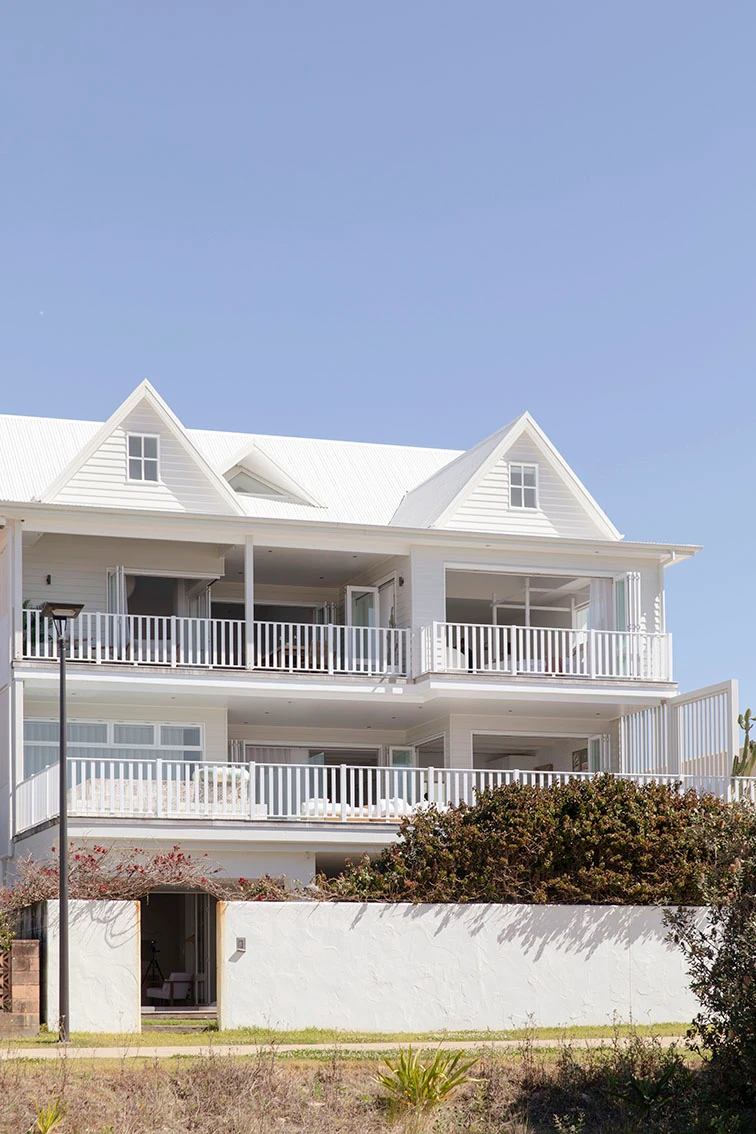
{"type": "Point", "coordinates": [129, 873]}
{"type": "Point", "coordinates": [600, 841]}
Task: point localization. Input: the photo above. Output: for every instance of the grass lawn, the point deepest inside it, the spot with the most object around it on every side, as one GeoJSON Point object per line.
{"type": "Point", "coordinates": [179, 1033]}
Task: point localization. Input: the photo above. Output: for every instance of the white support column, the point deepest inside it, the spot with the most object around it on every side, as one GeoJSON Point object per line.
{"type": "Point", "coordinates": [16, 762]}
{"type": "Point", "coordinates": [249, 602]}
{"type": "Point", "coordinates": [17, 588]}
{"type": "Point", "coordinates": [460, 750]}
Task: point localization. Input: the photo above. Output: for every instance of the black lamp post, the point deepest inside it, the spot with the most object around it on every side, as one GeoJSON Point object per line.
{"type": "Point", "coordinates": [60, 613]}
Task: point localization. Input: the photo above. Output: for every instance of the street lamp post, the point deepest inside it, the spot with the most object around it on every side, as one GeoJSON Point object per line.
{"type": "Point", "coordinates": [60, 613]}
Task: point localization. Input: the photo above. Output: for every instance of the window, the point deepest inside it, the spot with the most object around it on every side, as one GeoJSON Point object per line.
{"type": "Point", "coordinates": [109, 740]}
{"type": "Point", "coordinates": [523, 486]}
{"type": "Point", "coordinates": [143, 457]}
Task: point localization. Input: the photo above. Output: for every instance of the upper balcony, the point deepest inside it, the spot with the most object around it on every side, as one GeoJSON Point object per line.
{"type": "Point", "coordinates": [221, 643]}
{"type": "Point", "coordinates": [305, 648]}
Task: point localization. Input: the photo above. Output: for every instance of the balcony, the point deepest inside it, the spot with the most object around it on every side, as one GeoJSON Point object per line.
{"type": "Point", "coordinates": [456, 648]}
{"type": "Point", "coordinates": [306, 648]}
{"type": "Point", "coordinates": [288, 793]}
{"type": "Point", "coordinates": [284, 647]}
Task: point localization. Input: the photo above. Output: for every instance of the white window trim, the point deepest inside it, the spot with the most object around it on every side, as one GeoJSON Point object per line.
{"type": "Point", "coordinates": [111, 743]}
{"type": "Point", "coordinates": [524, 507]}
{"type": "Point", "coordinates": [142, 436]}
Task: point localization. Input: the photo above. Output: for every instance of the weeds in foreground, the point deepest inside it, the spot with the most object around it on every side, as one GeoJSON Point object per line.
{"type": "Point", "coordinates": [414, 1088]}
{"type": "Point", "coordinates": [49, 1117]}
{"type": "Point", "coordinates": [633, 1084]}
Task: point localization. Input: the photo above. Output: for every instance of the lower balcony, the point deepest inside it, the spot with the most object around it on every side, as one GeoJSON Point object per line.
{"type": "Point", "coordinates": [305, 793]}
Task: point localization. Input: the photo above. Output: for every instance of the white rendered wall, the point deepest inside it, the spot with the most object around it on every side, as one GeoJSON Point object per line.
{"type": "Point", "coordinates": [380, 967]}
{"type": "Point", "coordinates": [78, 565]}
{"type": "Point", "coordinates": [105, 980]}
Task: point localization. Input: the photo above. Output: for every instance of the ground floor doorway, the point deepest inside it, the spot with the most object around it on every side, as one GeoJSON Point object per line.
{"type": "Point", "coordinates": [178, 950]}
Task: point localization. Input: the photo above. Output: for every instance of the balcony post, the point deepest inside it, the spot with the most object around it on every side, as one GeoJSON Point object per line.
{"type": "Point", "coordinates": [252, 790]}
{"type": "Point", "coordinates": [343, 791]}
{"type": "Point", "coordinates": [159, 788]}
{"type": "Point", "coordinates": [249, 602]}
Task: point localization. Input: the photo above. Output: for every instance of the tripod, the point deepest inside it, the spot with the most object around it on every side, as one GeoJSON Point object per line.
{"type": "Point", "coordinates": [154, 974]}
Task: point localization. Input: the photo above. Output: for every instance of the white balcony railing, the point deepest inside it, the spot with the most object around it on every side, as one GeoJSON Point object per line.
{"type": "Point", "coordinates": [164, 789]}
{"type": "Point", "coordinates": [137, 639]}
{"type": "Point", "coordinates": [453, 647]}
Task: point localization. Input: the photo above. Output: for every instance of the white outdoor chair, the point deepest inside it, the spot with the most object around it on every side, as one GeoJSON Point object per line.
{"type": "Point", "coordinates": [177, 987]}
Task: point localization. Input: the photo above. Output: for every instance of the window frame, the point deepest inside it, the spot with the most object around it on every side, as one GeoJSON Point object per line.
{"type": "Point", "coordinates": [523, 465]}
{"type": "Point", "coordinates": [169, 752]}
{"type": "Point", "coordinates": [142, 437]}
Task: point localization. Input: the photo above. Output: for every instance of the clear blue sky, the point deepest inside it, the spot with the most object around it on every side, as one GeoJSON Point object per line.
{"type": "Point", "coordinates": [407, 222]}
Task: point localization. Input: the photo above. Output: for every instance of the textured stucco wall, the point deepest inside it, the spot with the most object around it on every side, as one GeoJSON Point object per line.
{"type": "Point", "coordinates": [420, 968]}
{"type": "Point", "coordinates": [104, 966]}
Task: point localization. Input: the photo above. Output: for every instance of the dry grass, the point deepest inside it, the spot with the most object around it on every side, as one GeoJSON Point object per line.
{"type": "Point", "coordinates": [515, 1093]}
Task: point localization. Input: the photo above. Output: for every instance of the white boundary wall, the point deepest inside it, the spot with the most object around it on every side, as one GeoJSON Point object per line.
{"type": "Point", "coordinates": [105, 964]}
{"type": "Point", "coordinates": [377, 967]}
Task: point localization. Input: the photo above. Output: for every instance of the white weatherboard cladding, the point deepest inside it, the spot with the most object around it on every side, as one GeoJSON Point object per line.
{"type": "Point", "coordinates": [104, 969]}
{"type": "Point", "coordinates": [426, 967]}
{"type": "Point", "coordinates": [559, 513]}
{"type": "Point", "coordinates": [6, 605]}
{"type": "Point", "coordinates": [78, 565]}
{"type": "Point", "coordinates": [183, 486]}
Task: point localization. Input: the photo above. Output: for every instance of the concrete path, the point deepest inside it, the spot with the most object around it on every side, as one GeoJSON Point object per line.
{"type": "Point", "coordinates": [138, 1050]}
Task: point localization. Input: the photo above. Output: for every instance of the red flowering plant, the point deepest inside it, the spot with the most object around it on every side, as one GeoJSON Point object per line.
{"type": "Point", "coordinates": [130, 873]}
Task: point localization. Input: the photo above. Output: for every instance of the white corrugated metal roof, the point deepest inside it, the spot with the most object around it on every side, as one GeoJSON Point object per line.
{"type": "Point", "coordinates": [355, 482]}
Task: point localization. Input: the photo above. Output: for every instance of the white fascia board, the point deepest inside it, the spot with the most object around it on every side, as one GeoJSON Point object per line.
{"type": "Point", "coordinates": [312, 534]}
{"type": "Point", "coordinates": [228, 686]}
{"type": "Point", "coordinates": [248, 833]}
{"type": "Point", "coordinates": [588, 691]}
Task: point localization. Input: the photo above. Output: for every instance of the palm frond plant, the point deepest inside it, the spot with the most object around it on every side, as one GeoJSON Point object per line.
{"type": "Point", "coordinates": [415, 1088]}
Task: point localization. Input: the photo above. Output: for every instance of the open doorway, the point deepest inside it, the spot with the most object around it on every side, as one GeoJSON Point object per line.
{"type": "Point", "coordinates": [178, 951]}
{"type": "Point", "coordinates": [494, 752]}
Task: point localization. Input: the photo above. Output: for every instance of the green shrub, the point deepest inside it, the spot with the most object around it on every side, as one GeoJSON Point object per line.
{"type": "Point", "coordinates": [415, 1088]}
{"type": "Point", "coordinates": [721, 955]}
{"type": "Point", "coordinates": [604, 841]}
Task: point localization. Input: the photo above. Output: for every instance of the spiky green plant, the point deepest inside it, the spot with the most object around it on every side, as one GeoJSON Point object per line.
{"type": "Point", "coordinates": [49, 1117]}
{"type": "Point", "coordinates": [744, 761]}
{"type": "Point", "coordinates": [415, 1088]}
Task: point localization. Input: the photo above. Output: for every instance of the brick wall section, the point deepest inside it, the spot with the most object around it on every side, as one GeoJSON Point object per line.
{"type": "Point", "coordinates": [23, 1019]}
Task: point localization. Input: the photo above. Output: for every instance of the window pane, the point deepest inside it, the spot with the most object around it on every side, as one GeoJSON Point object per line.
{"type": "Point", "coordinates": [150, 470]}
{"type": "Point", "coordinates": [150, 447]}
{"type": "Point", "coordinates": [37, 757]}
{"type": "Point", "coordinates": [134, 734]}
{"type": "Point", "coordinates": [135, 446]}
{"type": "Point", "coordinates": [135, 469]}
{"type": "Point", "coordinates": [515, 474]}
{"type": "Point", "coordinates": [41, 730]}
{"type": "Point", "coordinates": [174, 736]}
{"type": "Point", "coordinates": [530, 497]}
{"type": "Point", "coordinates": [515, 497]}
{"type": "Point", "coordinates": [529, 475]}
{"type": "Point", "coordinates": [87, 733]}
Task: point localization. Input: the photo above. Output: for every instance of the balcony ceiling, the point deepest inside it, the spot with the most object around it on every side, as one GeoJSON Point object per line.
{"type": "Point", "coordinates": [294, 567]}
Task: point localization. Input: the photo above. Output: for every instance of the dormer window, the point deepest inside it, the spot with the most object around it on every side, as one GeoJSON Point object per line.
{"type": "Point", "coordinates": [143, 457]}
{"type": "Point", "coordinates": [523, 486]}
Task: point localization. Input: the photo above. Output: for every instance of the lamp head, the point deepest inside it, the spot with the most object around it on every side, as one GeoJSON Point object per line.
{"type": "Point", "coordinates": [61, 611]}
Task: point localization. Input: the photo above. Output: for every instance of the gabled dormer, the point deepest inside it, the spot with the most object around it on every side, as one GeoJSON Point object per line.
{"type": "Point", "coordinates": [514, 482]}
{"type": "Point", "coordinates": [253, 472]}
{"type": "Point", "coordinates": [143, 458]}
